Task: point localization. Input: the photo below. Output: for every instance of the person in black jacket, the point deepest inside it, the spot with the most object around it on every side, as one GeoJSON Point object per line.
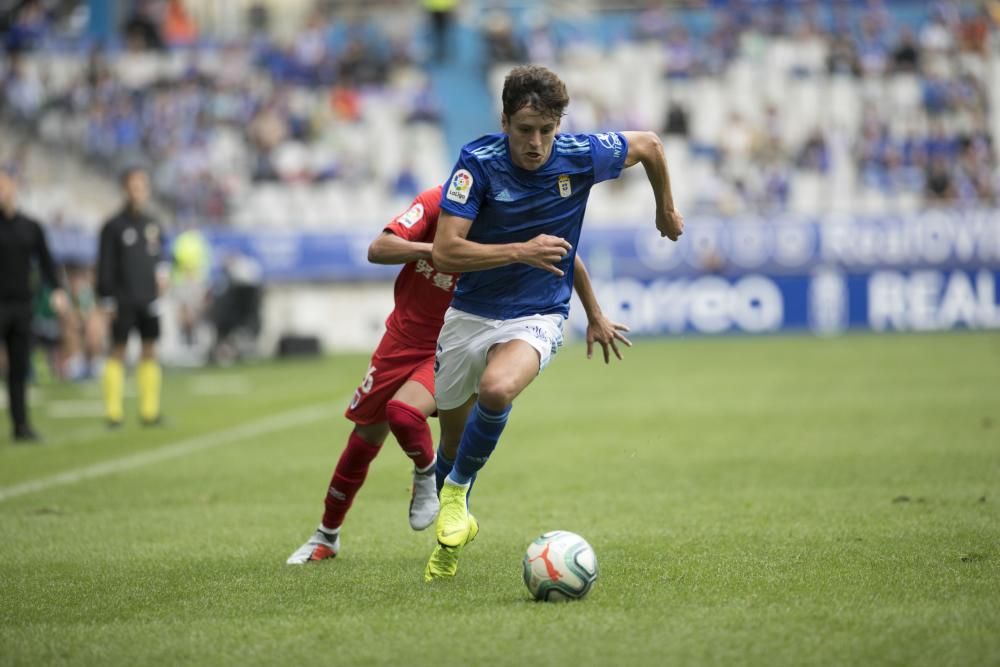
{"type": "Point", "coordinates": [22, 242]}
{"type": "Point", "coordinates": [131, 276]}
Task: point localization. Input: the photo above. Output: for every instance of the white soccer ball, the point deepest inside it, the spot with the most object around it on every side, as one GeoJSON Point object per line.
{"type": "Point", "coordinates": [559, 565]}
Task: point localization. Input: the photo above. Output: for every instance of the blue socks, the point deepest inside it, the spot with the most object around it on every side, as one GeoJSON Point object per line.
{"type": "Point", "coordinates": [482, 431]}
{"type": "Point", "coordinates": [441, 470]}
{"type": "Point", "coordinates": [442, 467]}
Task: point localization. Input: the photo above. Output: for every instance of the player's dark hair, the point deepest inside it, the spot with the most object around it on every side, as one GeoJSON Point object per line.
{"type": "Point", "coordinates": [536, 87]}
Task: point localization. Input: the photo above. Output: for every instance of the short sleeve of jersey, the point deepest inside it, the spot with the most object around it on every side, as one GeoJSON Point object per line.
{"type": "Point", "coordinates": [465, 191]}
{"type": "Point", "coordinates": [416, 222]}
{"type": "Point", "coordinates": [609, 150]}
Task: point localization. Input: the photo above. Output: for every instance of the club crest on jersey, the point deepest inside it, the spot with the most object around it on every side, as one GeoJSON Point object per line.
{"type": "Point", "coordinates": [460, 186]}
{"type": "Point", "coordinates": [565, 188]}
{"type": "Point", "coordinates": [412, 216]}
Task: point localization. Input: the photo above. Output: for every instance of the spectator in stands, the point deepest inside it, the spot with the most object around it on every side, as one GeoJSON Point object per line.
{"type": "Point", "coordinates": [721, 47]}
{"type": "Point", "coordinates": [259, 19]}
{"type": "Point", "coordinates": [870, 152]}
{"type": "Point", "coordinates": [814, 154]}
{"type": "Point", "coordinates": [936, 93]}
{"type": "Point", "coordinates": [309, 52]}
{"type": "Point", "coordinates": [679, 54]}
{"type": "Point", "coordinates": [774, 185]}
{"type": "Point", "coordinates": [652, 23]}
{"type": "Point", "coordinates": [25, 29]}
{"type": "Point", "coordinates": [912, 160]}
{"type": "Point", "coordinates": [939, 145]}
{"type": "Point", "coordinates": [736, 144]}
{"type": "Point", "coordinates": [541, 43]}
{"type": "Point", "coordinates": [842, 58]}
{"type": "Point", "coordinates": [224, 123]}
{"type": "Point", "coordinates": [810, 49]}
{"type": "Point", "coordinates": [23, 90]}
{"type": "Point", "coordinates": [974, 32]}
{"type": "Point", "coordinates": [442, 17]}
{"type": "Point", "coordinates": [424, 106]}
{"type": "Point", "coordinates": [142, 28]}
{"type": "Point", "coordinates": [967, 96]}
{"type": "Point", "coordinates": [936, 36]}
{"type": "Point", "coordinates": [976, 179]}
{"type": "Point", "coordinates": [906, 54]}
{"type": "Point", "coordinates": [179, 28]}
{"type": "Point", "coordinates": [939, 187]}
{"type": "Point", "coordinates": [407, 183]}
{"type": "Point", "coordinates": [768, 140]}
{"type": "Point", "coordinates": [873, 46]}
{"type": "Point", "coordinates": [677, 122]}
{"type": "Point", "coordinates": [501, 43]}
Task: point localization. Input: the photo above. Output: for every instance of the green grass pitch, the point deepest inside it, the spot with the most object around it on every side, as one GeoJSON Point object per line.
{"type": "Point", "coordinates": [752, 501]}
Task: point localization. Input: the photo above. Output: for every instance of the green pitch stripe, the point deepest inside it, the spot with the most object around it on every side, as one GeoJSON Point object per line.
{"type": "Point", "coordinates": [279, 422]}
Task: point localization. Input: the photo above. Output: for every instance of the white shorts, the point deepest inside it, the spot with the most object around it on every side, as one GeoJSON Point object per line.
{"type": "Point", "coordinates": [466, 339]}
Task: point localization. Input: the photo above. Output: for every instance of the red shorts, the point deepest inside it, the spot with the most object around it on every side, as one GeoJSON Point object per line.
{"type": "Point", "coordinates": [392, 365]}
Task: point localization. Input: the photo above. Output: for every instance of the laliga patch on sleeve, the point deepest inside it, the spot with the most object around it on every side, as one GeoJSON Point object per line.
{"type": "Point", "coordinates": [611, 141]}
{"type": "Point", "coordinates": [412, 216]}
{"type": "Point", "coordinates": [460, 186]}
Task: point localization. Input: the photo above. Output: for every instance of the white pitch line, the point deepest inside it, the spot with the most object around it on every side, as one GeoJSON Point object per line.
{"type": "Point", "coordinates": [298, 417]}
{"type": "Point", "coordinates": [220, 385]}
{"type": "Point", "coordinates": [75, 408]}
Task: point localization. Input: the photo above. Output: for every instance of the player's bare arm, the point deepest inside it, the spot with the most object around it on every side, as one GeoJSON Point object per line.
{"type": "Point", "coordinates": [600, 329]}
{"type": "Point", "coordinates": [647, 149]}
{"type": "Point", "coordinates": [391, 249]}
{"type": "Point", "coordinates": [455, 253]}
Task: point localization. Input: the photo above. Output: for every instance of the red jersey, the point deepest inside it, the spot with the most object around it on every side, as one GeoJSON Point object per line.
{"type": "Point", "coordinates": [422, 293]}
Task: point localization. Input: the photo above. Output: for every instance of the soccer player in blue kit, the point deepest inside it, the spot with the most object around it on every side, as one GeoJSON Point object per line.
{"type": "Point", "coordinates": [510, 220]}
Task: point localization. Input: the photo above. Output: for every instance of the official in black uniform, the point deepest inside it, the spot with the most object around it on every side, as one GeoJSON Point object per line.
{"type": "Point", "coordinates": [22, 242]}
{"type": "Point", "coordinates": [131, 277]}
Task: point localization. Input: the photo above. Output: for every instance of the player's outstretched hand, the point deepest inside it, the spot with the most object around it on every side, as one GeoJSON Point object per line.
{"type": "Point", "coordinates": [545, 252]}
{"type": "Point", "coordinates": [606, 333]}
{"type": "Point", "coordinates": [670, 224]}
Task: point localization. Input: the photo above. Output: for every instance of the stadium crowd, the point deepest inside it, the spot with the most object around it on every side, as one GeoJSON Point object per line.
{"type": "Point", "coordinates": [773, 99]}
{"type": "Point", "coordinates": [767, 107]}
{"type": "Point", "coordinates": [219, 118]}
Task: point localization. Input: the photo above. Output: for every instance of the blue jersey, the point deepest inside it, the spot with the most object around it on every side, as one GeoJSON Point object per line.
{"type": "Point", "coordinates": [508, 204]}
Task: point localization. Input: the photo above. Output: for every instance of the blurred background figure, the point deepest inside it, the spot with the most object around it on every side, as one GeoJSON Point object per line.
{"type": "Point", "coordinates": [189, 288]}
{"type": "Point", "coordinates": [236, 309]}
{"type": "Point", "coordinates": [441, 14]}
{"type": "Point", "coordinates": [23, 247]}
{"type": "Point", "coordinates": [131, 277]}
{"type": "Point", "coordinates": [84, 326]}
{"type": "Point", "coordinates": [179, 28]}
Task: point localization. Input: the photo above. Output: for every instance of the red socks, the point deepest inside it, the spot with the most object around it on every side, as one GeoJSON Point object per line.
{"type": "Point", "coordinates": [352, 468]}
{"type": "Point", "coordinates": [414, 435]}
{"type": "Point", "coordinates": [409, 425]}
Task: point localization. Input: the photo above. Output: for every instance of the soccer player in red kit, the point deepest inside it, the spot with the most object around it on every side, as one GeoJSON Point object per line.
{"type": "Point", "coordinates": [397, 393]}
